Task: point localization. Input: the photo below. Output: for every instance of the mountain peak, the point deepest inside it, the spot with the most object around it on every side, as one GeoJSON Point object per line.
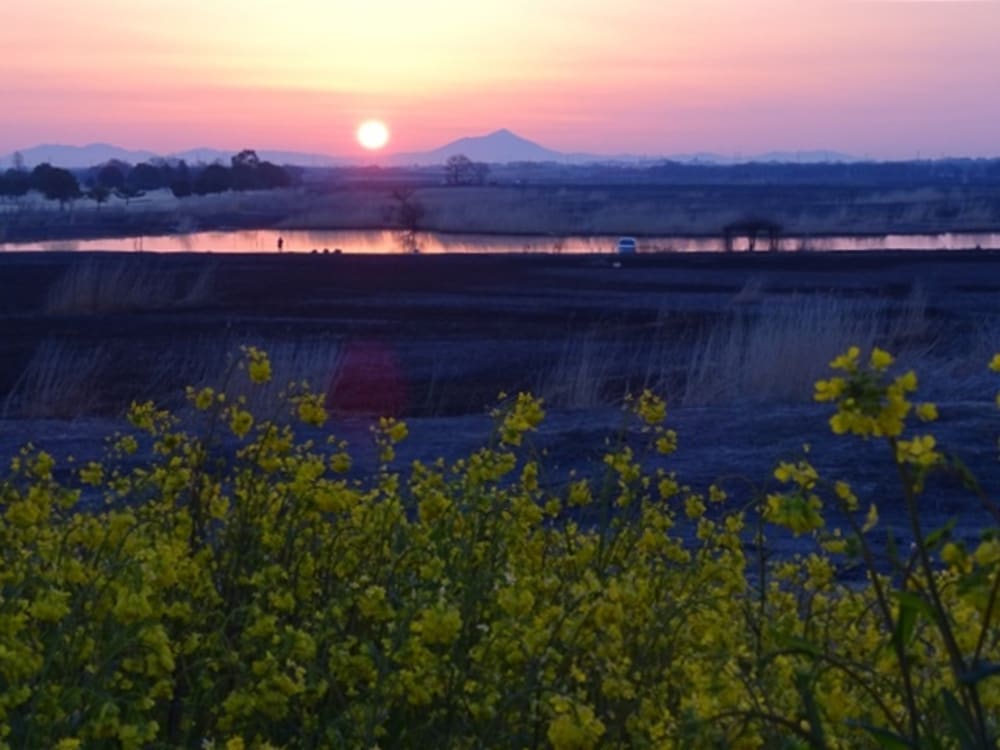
{"type": "Point", "coordinates": [499, 146]}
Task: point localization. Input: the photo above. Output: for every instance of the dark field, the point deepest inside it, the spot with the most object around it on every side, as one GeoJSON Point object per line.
{"type": "Point", "coordinates": [734, 342]}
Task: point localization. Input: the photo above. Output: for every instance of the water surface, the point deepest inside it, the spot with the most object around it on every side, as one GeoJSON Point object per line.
{"type": "Point", "coordinates": [388, 242]}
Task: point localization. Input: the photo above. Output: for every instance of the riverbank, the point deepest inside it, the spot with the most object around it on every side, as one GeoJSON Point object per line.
{"type": "Point", "coordinates": [553, 210]}
{"type": "Point", "coordinates": [734, 342]}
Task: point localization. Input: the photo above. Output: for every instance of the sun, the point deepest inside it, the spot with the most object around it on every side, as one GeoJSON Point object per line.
{"type": "Point", "coordinates": [373, 134]}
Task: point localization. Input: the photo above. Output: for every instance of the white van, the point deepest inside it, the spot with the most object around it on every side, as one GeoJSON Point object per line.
{"type": "Point", "coordinates": [627, 246]}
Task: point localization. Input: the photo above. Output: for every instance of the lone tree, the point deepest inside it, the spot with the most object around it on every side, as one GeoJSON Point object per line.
{"type": "Point", "coordinates": [461, 170]}
{"type": "Point", "coordinates": [55, 183]}
{"type": "Point", "coordinates": [146, 176]}
{"type": "Point", "coordinates": [249, 172]}
{"type": "Point", "coordinates": [243, 174]}
{"type": "Point", "coordinates": [99, 194]}
{"type": "Point", "coordinates": [213, 179]}
{"type": "Point", "coordinates": [111, 176]}
{"type": "Point", "coordinates": [408, 210]}
{"type": "Point", "coordinates": [245, 158]}
{"type": "Point", "coordinates": [14, 183]}
{"type": "Point", "coordinates": [180, 185]}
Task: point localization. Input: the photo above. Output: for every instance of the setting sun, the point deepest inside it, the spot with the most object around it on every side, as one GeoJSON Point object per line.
{"type": "Point", "coordinates": [373, 134]}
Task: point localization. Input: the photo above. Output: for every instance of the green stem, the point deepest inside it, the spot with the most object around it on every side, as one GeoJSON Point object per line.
{"type": "Point", "coordinates": [940, 612]}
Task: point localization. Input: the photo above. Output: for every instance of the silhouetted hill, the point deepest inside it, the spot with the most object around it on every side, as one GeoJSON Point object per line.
{"type": "Point", "coordinates": [74, 157]}
{"type": "Point", "coordinates": [500, 146]}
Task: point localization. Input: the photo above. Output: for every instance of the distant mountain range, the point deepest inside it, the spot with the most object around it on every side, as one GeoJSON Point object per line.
{"type": "Point", "coordinates": [79, 157]}
{"type": "Point", "coordinates": [503, 146]}
{"type": "Point", "coordinates": [498, 147]}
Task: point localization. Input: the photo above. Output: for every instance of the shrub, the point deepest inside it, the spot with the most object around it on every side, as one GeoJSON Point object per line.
{"type": "Point", "coordinates": [272, 596]}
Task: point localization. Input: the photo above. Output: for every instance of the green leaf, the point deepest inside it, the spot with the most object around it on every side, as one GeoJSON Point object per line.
{"type": "Point", "coordinates": [798, 643]}
{"type": "Point", "coordinates": [802, 682]}
{"type": "Point", "coordinates": [886, 740]}
{"type": "Point", "coordinates": [853, 546]}
{"type": "Point", "coordinates": [939, 536]}
{"type": "Point", "coordinates": [911, 606]}
{"type": "Point", "coordinates": [958, 719]}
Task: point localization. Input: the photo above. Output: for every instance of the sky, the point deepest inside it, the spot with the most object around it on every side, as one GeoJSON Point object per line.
{"type": "Point", "coordinates": [871, 78]}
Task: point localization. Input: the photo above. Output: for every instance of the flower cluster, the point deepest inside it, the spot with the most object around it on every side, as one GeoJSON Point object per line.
{"type": "Point", "coordinates": [276, 595]}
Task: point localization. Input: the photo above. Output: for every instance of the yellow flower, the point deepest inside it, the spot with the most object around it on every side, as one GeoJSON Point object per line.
{"type": "Point", "coordinates": [829, 390]}
{"type": "Point", "coordinates": [438, 625]}
{"type": "Point", "coordinates": [995, 363]}
{"type": "Point", "coordinates": [258, 364]}
{"type": "Point", "coordinates": [574, 727]}
{"type": "Point", "coordinates": [526, 414]}
{"type": "Point", "coordinates": [952, 554]}
{"type": "Point", "coordinates": [880, 360]}
{"type": "Point", "coordinates": [666, 443]}
{"type": "Point", "coordinates": [311, 411]}
{"type": "Point", "coordinates": [927, 412]}
{"type": "Point", "coordinates": [668, 487]}
{"type": "Point", "coordinates": [579, 493]}
{"type": "Point", "coordinates": [240, 422]}
{"type": "Point", "coordinates": [340, 462]}
{"type": "Point", "coordinates": [393, 429]}
{"type": "Point", "coordinates": [847, 361]}
{"type": "Point", "coordinates": [694, 507]}
{"type": "Point", "coordinates": [203, 399]}
{"type": "Point", "coordinates": [907, 382]}
{"type": "Point", "coordinates": [919, 451]}
{"type": "Point", "coordinates": [988, 552]}
{"type": "Point", "coordinates": [651, 409]}
{"type": "Point", "coordinates": [795, 511]}
{"type": "Point", "coordinates": [51, 606]}
{"type": "Point", "coordinates": [846, 494]}
{"type": "Point", "coordinates": [871, 519]}
{"type": "Point", "coordinates": [92, 474]}
{"type": "Point", "coordinates": [803, 474]}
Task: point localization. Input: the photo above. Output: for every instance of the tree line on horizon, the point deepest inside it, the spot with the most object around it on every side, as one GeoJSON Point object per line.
{"type": "Point", "coordinates": [246, 171]}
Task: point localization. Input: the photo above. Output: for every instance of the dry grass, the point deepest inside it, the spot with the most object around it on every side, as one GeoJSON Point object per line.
{"type": "Point", "coordinates": [778, 350]}
{"type": "Point", "coordinates": [314, 363]}
{"type": "Point", "coordinates": [587, 369]}
{"type": "Point", "coordinates": [598, 368]}
{"type": "Point", "coordinates": [65, 381]}
{"type": "Point", "coordinates": [753, 291]}
{"type": "Point", "coordinates": [763, 350]}
{"type": "Point", "coordinates": [106, 285]}
{"type": "Point", "coordinates": [215, 363]}
{"type": "Point", "coordinates": [61, 381]}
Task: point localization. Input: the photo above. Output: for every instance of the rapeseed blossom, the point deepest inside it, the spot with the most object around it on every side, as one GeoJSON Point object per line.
{"type": "Point", "coordinates": [276, 596]}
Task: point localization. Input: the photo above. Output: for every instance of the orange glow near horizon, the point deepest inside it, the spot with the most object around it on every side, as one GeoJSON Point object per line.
{"type": "Point", "coordinates": [644, 76]}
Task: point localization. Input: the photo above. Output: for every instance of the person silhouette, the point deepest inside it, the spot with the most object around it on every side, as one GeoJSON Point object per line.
{"type": "Point", "coordinates": [281, 243]}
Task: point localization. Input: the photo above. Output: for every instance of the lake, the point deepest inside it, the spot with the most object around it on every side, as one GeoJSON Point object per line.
{"type": "Point", "coordinates": [389, 241]}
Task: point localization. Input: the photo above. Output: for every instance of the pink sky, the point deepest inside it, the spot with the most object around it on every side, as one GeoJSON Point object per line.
{"type": "Point", "coordinates": [880, 78]}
